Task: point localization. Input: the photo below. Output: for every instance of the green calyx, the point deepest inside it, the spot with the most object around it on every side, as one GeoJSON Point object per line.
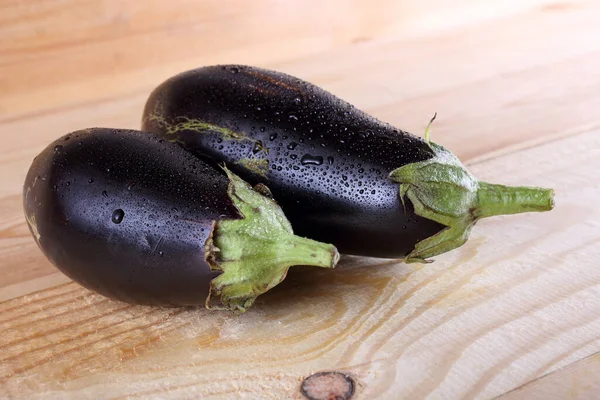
{"type": "Point", "coordinates": [254, 253]}
{"type": "Point", "coordinates": [441, 189]}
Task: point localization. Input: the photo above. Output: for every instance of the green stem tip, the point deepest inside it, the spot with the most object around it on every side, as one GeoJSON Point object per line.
{"type": "Point", "coordinates": [443, 190]}
{"type": "Point", "coordinates": [254, 253]}
{"type": "Point", "coordinates": [495, 199]}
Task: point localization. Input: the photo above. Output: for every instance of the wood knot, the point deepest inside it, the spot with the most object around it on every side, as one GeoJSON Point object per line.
{"type": "Point", "coordinates": [328, 386]}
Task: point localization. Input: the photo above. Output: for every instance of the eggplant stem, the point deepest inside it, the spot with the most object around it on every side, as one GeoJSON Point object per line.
{"type": "Point", "coordinates": [495, 199]}
{"type": "Point", "coordinates": [443, 190]}
{"type": "Point", "coordinates": [254, 253]}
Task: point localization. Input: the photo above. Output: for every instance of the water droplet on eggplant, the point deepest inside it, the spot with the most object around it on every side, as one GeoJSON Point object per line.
{"type": "Point", "coordinates": [117, 216]}
{"type": "Point", "coordinates": [309, 159]}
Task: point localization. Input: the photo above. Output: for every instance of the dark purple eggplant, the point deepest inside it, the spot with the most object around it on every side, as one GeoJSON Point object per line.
{"type": "Point", "coordinates": [340, 175]}
{"type": "Point", "coordinates": [139, 219]}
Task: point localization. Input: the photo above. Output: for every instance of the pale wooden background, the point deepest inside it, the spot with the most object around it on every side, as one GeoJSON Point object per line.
{"type": "Point", "coordinates": [514, 313]}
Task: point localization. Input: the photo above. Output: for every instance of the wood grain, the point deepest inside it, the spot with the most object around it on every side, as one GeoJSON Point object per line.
{"type": "Point", "coordinates": [516, 85]}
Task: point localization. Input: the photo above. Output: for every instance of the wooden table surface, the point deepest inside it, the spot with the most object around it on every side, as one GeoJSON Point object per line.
{"type": "Point", "coordinates": [514, 313]}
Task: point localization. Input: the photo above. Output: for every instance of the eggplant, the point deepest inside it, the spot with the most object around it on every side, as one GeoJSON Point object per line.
{"type": "Point", "coordinates": [138, 219]}
{"type": "Point", "coordinates": [340, 175]}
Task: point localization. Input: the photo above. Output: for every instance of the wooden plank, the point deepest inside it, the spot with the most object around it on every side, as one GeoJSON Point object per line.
{"type": "Point", "coordinates": [519, 299]}
{"type": "Point", "coordinates": [57, 54]}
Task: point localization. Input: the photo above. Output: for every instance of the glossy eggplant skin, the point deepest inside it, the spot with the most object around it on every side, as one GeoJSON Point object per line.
{"type": "Point", "coordinates": [127, 214]}
{"type": "Point", "coordinates": [325, 161]}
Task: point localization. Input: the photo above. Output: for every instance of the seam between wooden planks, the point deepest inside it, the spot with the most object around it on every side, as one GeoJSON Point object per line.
{"type": "Point", "coordinates": [562, 369]}
{"type": "Point", "coordinates": [76, 106]}
{"type": "Point", "coordinates": [530, 144]}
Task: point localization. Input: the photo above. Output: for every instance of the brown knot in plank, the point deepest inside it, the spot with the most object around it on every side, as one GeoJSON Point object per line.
{"type": "Point", "coordinates": [328, 386]}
